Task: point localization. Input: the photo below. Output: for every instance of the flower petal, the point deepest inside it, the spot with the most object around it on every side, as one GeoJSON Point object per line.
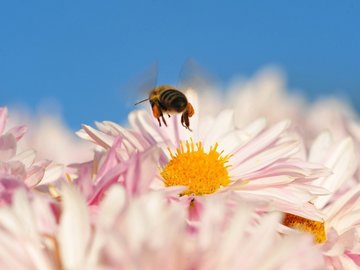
{"type": "Point", "coordinates": [260, 142]}
{"type": "Point", "coordinates": [8, 146]}
{"type": "Point", "coordinates": [265, 158]}
{"type": "Point", "coordinates": [74, 229]}
{"type": "Point", "coordinates": [18, 132]}
{"type": "Point", "coordinates": [343, 164]}
{"type": "Point", "coordinates": [3, 119]}
{"type": "Point", "coordinates": [96, 136]}
{"type": "Point", "coordinates": [26, 157]}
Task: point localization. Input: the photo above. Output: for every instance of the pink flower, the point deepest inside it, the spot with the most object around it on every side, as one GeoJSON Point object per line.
{"type": "Point", "coordinates": [225, 238]}
{"type": "Point", "coordinates": [145, 232]}
{"type": "Point", "coordinates": [258, 161]}
{"type": "Point", "coordinates": [20, 169]}
{"type": "Point", "coordinates": [43, 131]}
{"type": "Point", "coordinates": [339, 231]}
{"type": "Point", "coordinates": [264, 95]}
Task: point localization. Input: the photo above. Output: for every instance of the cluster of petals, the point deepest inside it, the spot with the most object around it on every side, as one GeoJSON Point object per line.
{"type": "Point", "coordinates": [20, 169]}
{"type": "Point", "coordinates": [117, 210]}
{"type": "Point", "coordinates": [123, 234]}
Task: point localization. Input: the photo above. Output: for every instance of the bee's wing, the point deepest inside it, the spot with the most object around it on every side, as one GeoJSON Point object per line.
{"type": "Point", "coordinates": [137, 90]}
{"type": "Point", "coordinates": [193, 76]}
{"type": "Point", "coordinates": [197, 82]}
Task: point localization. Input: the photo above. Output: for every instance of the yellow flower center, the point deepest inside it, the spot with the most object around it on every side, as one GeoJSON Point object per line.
{"type": "Point", "coordinates": [316, 228]}
{"type": "Point", "coordinates": [201, 172]}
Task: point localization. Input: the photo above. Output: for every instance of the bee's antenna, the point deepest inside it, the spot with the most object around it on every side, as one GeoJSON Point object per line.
{"type": "Point", "coordinates": [141, 101]}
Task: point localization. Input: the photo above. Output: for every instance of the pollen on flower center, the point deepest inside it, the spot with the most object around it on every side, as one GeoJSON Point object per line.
{"type": "Point", "coordinates": [316, 228]}
{"type": "Point", "coordinates": [201, 172]}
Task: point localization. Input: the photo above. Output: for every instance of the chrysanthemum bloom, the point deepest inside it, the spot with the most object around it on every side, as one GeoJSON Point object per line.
{"type": "Point", "coordinates": [257, 161]}
{"type": "Point", "coordinates": [144, 233]}
{"type": "Point", "coordinates": [331, 115]}
{"type": "Point", "coordinates": [260, 95]}
{"type": "Point", "coordinates": [339, 232]}
{"type": "Point", "coordinates": [336, 151]}
{"type": "Point", "coordinates": [20, 169]}
{"type": "Point", "coordinates": [264, 95]}
{"type": "Point", "coordinates": [336, 117]}
{"type": "Point", "coordinates": [341, 207]}
{"type": "Point", "coordinates": [45, 129]}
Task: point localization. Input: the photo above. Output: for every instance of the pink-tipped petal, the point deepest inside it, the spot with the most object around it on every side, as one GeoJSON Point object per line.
{"type": "Point", "coordinates": [52, 173]}
{"type": "Point", "coordinates": [98, 137]}
{"type": "Point", "coordinates": [26, 157]}
{"type": "Point", "coordinates": [18, 132]}
{"type": "Point", "coordinates": [8, 146]}
{"type": "Point", "coordinates": [34, 176]}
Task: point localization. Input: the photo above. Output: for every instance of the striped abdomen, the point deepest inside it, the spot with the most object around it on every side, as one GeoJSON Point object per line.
{"type": "Point", "coordinates": [173, 100]}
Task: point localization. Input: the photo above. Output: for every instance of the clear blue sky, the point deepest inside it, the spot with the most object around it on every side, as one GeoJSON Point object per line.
{"type": "Point", "coordinates": [81, 52]}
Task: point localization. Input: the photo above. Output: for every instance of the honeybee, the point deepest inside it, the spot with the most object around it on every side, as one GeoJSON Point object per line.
{"type": "Point", "coordinates": [167, 99]}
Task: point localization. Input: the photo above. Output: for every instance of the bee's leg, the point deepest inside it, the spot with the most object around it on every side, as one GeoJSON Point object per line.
{"type": "Point", "coordinates": [169, 115]}
{"type": "Point", "coordinates": [157, 113]}
{"type": "Point", "coordinates": [163, 119]}
{"type": "Point", "coordinates": [185, 121]}
{"type": "Point", "coordinates": [182, 120]}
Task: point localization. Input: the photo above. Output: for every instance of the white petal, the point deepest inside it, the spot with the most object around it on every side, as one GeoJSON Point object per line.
{"type": "Point", "coordinates": [141, 121]}
{"type": "Point", "coordinates": [343, 164]}
{"type": "Point", "coordinates": [320, 147]}
{"type": "Point", "coordinates": [336, 207]}
{"type": "Point", "coordinates": [270, 181]}
{"type": "Point", "coordinates": [111, 206]}
{"type": "Point", "coordinates": [135, 141]}
{"type": "Point", "coordinates": [260, 142]}
{"type": "Point", "coordinates": [26, 157]}
{"type": "Point", "coordinates": [224, 123]}
{"type": "Point", "coordinates": [22, 209]}
{"type": "Point", "coordinates": [32, 243]}
{"type": "Point", "coordinates": [265, 157]}
{"type": "Point", "coordinates": [231, 140]}
{"type": "Point", "coordinates": [236, 233]}
{"type": "Point", "coordinates": [52, 173]}
{"type": "Point", "coordinates": [74, 230]}
{"type": "Point", "coordinates": [264, 234]}
{"type": "Point", "coordinates": [12, 254]}
{"type": "Point", "coordinates": [255, 127]}
{"type": "Point", "coordinates": [83, 135]}
{"type": "Point", "coordinates": [98, 137]}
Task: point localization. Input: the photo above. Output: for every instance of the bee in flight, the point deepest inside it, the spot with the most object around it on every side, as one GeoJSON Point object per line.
{"type": "Point", "coordinates": [167, 99]}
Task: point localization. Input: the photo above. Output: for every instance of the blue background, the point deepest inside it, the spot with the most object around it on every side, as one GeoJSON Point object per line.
{"type": "Point", "coordinates": [81, 53]}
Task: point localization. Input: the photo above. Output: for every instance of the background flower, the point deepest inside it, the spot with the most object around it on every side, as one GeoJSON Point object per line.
{"type": "Point", "coordinates": [123, 233]}
{"type": "Point", "coordinates": [20, 168]}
